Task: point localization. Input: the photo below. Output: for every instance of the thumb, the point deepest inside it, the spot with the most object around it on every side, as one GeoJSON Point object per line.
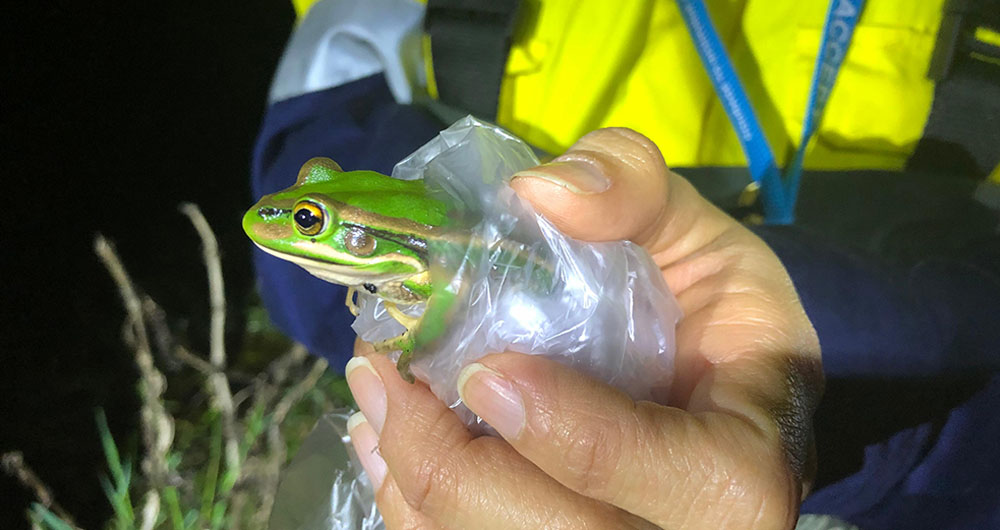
{"type": "Point", "coordinates": [612, 184]}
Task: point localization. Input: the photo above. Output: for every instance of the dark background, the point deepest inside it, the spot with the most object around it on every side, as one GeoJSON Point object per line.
{"type": "Point", "coordinates": [112, 114]}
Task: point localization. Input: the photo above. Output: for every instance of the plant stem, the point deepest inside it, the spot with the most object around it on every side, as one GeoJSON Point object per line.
{"type": "Point", "coordinates": [157, 424]}
{"type": "Point", "coordinates": [218, 383]}
{"type": "Point", "coordinates": [15, 466]}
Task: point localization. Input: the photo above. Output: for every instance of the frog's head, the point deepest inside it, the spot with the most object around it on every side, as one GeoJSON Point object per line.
{"type": "Point", "coordinates": [351, 228]}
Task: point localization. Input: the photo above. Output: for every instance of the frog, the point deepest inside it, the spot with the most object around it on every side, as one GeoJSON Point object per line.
{"type": "Point", "coordinates": [366, 231]}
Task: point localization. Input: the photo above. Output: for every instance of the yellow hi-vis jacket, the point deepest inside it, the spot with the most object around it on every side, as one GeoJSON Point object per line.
{"type": "Point", "coordinates": [575, 66]}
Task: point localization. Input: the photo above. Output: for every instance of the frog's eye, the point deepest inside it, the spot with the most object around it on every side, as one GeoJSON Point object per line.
{"type": "Point", "coordinates": [359, 243]}
{"type": "Point", "coordinates": [309, 218]}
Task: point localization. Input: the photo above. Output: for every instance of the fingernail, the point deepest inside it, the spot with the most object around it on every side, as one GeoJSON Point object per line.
{"type": "Point", "coordinates": [493, 398]}
{"type": "Point", "coordinates": [580, 176]}
{"type": "Point", "coordinates": [365, 443]}
{"type": "Point", "coordinates": [368, 390]}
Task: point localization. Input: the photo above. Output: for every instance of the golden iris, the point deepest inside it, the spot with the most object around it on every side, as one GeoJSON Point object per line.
{"type": "Point", "coordinates": [309, 218]}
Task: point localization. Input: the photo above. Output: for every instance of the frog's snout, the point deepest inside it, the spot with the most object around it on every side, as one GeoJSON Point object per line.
{"type": "Point", "coordinates": [267, 221]}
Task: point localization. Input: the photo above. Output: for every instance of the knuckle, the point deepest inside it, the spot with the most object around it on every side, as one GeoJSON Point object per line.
{"type": "Point", "coordinates": [592, 454]}
{"type": "Point", "coordinates": [432, 481]}
{"type": "Point", "coordinates": [426, 476]}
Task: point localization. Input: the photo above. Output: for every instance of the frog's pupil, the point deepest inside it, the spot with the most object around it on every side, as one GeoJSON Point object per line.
{"type": "Point", "coordinates": [305, 218]}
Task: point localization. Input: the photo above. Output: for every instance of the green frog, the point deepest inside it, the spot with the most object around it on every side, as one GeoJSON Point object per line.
{"type": "Point", "coordinates": [366, 231]}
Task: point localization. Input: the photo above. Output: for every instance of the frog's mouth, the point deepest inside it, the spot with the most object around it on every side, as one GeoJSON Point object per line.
{"type": "Point", "coordinates": [350, 275]}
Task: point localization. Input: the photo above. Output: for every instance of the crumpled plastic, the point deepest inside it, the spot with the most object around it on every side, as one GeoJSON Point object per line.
{"type": "Point", "coordinates": [324, 487]}
{"type": "Point", "coordinates": [521, 286]}
{"type": "Point", "coordinates": [602, 308]}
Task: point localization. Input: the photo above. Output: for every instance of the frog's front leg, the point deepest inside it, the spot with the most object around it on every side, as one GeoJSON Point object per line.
{"type": "Point", "coordinates": [407, 321]}
{"type": "Point", "coordinates": [352, 306]}
{"type": "Point", "coordinates": [402, 343]}
{"type": "Point", "coordinates": [419, 333]}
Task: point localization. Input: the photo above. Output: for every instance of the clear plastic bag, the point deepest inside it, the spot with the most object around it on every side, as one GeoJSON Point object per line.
{"type": "Point", "coordinates": [324, 487]}
{"type": "Point", "coordinates": [519, 285]}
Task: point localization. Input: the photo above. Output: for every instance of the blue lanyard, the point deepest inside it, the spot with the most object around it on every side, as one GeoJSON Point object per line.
{"type": "Point", "coordinates": [778, 194]}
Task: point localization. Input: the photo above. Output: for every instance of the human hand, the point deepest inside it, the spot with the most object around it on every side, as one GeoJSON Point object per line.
{"type": "Point", "coordinates": [730, 448]}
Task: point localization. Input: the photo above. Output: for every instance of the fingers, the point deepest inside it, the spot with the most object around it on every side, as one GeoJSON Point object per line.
{"type": "Point", "coordinates": [445, 476]}
{"type": "Point", "coordinates": [613, 184]}
{"type": "Point", "coordinates": [660, 463]}
{"type": "Point", "coordinates": [744, 338]}
{"type": "Point", "coordinates": [395, 512]}
{"type": "Point", "coordinates": [600, 173]}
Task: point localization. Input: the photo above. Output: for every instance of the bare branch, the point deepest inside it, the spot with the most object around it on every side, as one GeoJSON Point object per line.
{"type": "Point", "coordinates": [219, 387]}
{"type": "Point", "coordinates": [201, 365]}
{"type": "Point", "coordinates": [235, 509]}
{"type": "Point", "coordinates": [276, 453]}
{"type": "Point", "coordinates": [216, 289]}
{"type": "Point", "coordinates": [15, 466]}
{"type": "Point", "coordinates": [279, 369]}
{"type": "Point", "coordinates": [275, 441]}
{"type": "Point", "coordinates": [156, 317]}
{"type": "Point", "coordinates": [299, 390]}
{"type": "Point", "coordinates": [150, 510]}
{"type": "Point", "coordinates": [273, 393]}
{"type": "Point", "coordinates": [218, 384]}
{"type": "Point", "coordinates": [157, 424]}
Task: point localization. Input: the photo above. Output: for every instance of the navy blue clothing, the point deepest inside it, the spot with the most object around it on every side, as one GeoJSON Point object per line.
{"type": "Point", "coordinates": [934, 318]}
{"type": "Point", "coordinates": [942, 473]}
{"type": "Point", "coordinates": [917, 335]}
{"type": "Point", "coordinates": [931, 320]}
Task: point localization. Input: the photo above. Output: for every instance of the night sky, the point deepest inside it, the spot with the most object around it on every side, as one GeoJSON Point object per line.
{"type": "Point", "coordinates": [112, 114]}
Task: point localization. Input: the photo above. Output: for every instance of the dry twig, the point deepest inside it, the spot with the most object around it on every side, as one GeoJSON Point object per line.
{"type": "Point", "coordinates": [176, 355]}
{"type": "Point", "coordinates": [277, 451]}
{"type": "Point", "coordinates": [157, 424]}
{"type": "Point", "coordinates": [218, 383]}
{"type": "Point", "coordinates": [279, 369]}
{"type": "Point", "coordinates": [275, 441]}
{"type": "Point", "coordinates": [295, 394]}
{"type": "Point", "coordinates": [150, 510]}
{"type": "Point", "coordinates": [14, 465]}
{"type": "Point", "coordinates": [156, 318]}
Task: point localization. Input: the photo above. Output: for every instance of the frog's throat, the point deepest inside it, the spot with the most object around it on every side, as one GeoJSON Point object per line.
{"type": "Point", "coordinates": [347, 274]}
